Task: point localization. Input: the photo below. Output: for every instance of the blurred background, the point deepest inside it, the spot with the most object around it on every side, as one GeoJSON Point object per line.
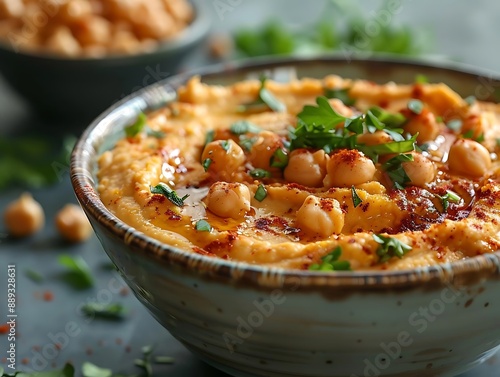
{"type": "Point", "coordinates": [62, 62]}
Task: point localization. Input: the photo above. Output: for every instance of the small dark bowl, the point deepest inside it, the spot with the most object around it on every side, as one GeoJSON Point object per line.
{"type": "Point", "coordinates": [250, 320]}
{"type": "Point", "coordinates": [79, 89]}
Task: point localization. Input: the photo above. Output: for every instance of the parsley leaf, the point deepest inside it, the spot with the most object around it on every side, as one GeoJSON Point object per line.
{"type": "Point", "coordinates": [203, 226]}
{"type": "Point", "coordinates": [323, 115]}
{"type": "Point", "coordinates": [330, 262]}
{"type": "Point", "coordinates": [261, 193]}
{"type": "Point", "coordinates": [91, 370]}
{"type": "Point", "coordinates": [395, 170]}
{"type": "Point", "coordinates": [225, 145]}
{"type": "Point", "coordinates": [135, 128]}
{"type": "Point", "coordinates": [163, 189]}
{"type": "Point", "coordinates": [265, 99]}
{"type": "Point", "coordinates": [111, 311]}
{"type": "Point", "coordinates": [471, 100]}
{"type": "Point", "coordinates": [373, 151]}
{"type": "Point", "coordinates": [356, 200]}
{"type": "Point", "coordinates": [247, 142]}
{"type": "Point", "coordinates": [244, 126]}
{"type": "Point", "coordinates": [78, 273]}
{"type": "Point", "coordinates": [390, 247]}
{"type": "Point", "coordinates": [259, 173]}
{"type": "Point", "coordinates": [279, 159]}
{"type": "Point", "coordinates": [341, 94]}
{"type": "Point", "coordinates": [206, 163]}
{"type": "Point", "coordinates": [421, 79]}
{"type": "Point", "coordinates": [454, 125]}
{"type": "Point", "coordinates": [450, 196]}
{"type": "Point", "coordinates": [209, 136]}
{"type": "Point", "coordinates": [415, 106]}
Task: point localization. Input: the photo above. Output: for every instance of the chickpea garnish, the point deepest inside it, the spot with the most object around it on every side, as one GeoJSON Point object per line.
{"type": "Point", "coordinates": [24, 216]}
{"type": "Point", "coordinates": [72, 223]}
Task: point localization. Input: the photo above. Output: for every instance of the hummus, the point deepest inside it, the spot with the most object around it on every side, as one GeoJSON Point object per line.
{"type": "Point", "coordinates": [330, 174]}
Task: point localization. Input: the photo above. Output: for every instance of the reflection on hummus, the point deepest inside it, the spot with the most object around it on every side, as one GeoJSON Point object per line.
{"type": "Point", "coordinates": [329, 174]}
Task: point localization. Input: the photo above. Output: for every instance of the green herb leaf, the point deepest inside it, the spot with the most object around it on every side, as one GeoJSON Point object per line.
{"type": "Point", "coordinates": [163, 189]}
{"type": "Point", "coordinates": [323, 115]}
{"type": "Point", "coordinates": [156, 134]}
{"type": "Point", "coordinates": [356, 200]}
{"type": "Point", "coordinates": [247, 142]}
{"type": "Point", "coordinates": [244, 126]}
{"type": "Point", "coordinates": [203, 226]}
{"type": "Point", "coordinates": [341, 94]}
{"type": "Point", "coordinates": [454, 125]}
{"type": "Point", "coordinates": [34, 277]}
{"type": "Point", "coordinates": [164, 360]}
{"type": "Point", "coordinates": [259, 173]}
{"type": "Point", "coordinates": [135, 128]}
{"type": "Point", "coordinates": [261, 193]}
{"type": "Point", "coordinates": [421, 79]}
{"type": "Point", "coordinates": [91, 370]}
{"type": "Point", "coordinates": [225, 145]}
{"type": "Point", "coordinates": [373, 151]}
{"type": "Point", "coordinates": [279, 159]}
{"type": "Point", "coordinates": [390, 120]}
{"type": "Point", "coordinates": [206, 163]}
{"type": "Point", "coordinates": [390, 247]}
{"type": "Point", "coordinates": [480, 138]}
{"type": "Point", "coordinates": [145, 362]}
{"type": "Point", "coordinates": [330, 262]}
{"type": "Point", "coordinates": [265, 100]}
{"type": "Point", "coordinates": [209, 137]}
{"type": "Point", "coordinates": [395, 170]}
{"type": "Point", "coordinates": [67, 371]}
{"type": "Point", "coordinates": [471, 100]}
{"type": "Point", "coordinates": [450, 196]}
{"type": "Point", "coordinates": [78, 272]}
{"type": "Point", "coordinates": [114, 311]}
{"type": "Point", "coordinates": [416, 106]}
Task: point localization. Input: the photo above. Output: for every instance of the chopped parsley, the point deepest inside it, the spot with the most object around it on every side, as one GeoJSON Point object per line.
{"type": "Point", "coordinates": [225, 145]}
{"type": "Point", "coordinates": [247, 142]}
{"type": "Point", "coordinates": [390, 247]}
{"type": "Point", "coordinates": [206, 163]}
{"type": "Point", "coordinates": [203, 226]}
{"type": "Point", "coordinates": [78, 273]}
{"type": "Point", "coordinates": [341, 94]}
{"type": "Point", "coordinates": [415, 106]}
{"type": "Point", "coordinates": [470, 135]}
{"type": "Point", "coordinates": [163, 189]}
{"type": "Point", "coordinates": [450, 196]}
{"type": "Point", "coordinates": [244, 126]}
{"type": "Point", "coordinates": [265, 100]}
{"type": "Point", "coordinates": [114, 311]}
{"type": "Point", "coordinates": [156, 134]}
{"type": "Point", "coordinates": [279, 159]}
{"type": "Point", "coordinates": [421, 79]}
{"type": "Point", "coordinates": [471, 100]}
{"type": "Point", "coordinates": [331, 262]}
{"type": "Point", "coordinates": [135, 128]}
{"type": "Point", "coordinates": [261, 193]}
{"type": "Point", "coordinates": [209, 136]}
{"type": "Point", "coordinates": [145, 362]}
{"type": "Point", "coordinates": [395, 171]}
{"type": "Point", "coordinates": [454, 125]}
{"type": "Point", "coordinates": [356, 200]}
{"type": "Point", "coordinates": [259, 173]}
{"type": "Point", "coordinates": [34, 276]}
{"type": "Point", "coordinates": [317, 128]}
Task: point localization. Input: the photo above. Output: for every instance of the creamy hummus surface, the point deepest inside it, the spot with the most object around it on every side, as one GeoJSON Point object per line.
{"type": "Point", "coordinates": [330, 174]}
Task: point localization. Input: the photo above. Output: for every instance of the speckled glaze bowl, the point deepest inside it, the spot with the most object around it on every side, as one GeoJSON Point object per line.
{"type": "Point", "coordinates": [255, 321]}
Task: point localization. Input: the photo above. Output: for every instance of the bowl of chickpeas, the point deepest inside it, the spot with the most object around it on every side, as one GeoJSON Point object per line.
{"type": "Point", "coordinates": [71, 59]}
{"type": "Point", "coordinates": [250, 311]}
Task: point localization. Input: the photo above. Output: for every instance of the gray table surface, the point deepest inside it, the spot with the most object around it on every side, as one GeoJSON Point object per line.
{"type": "Point", "coordinates": [115, 345]}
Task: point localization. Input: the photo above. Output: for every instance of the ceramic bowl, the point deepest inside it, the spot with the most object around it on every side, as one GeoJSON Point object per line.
{"type": "Point", "coordinates": [75, 88]}
{"type": "Point", "coordinates": [258, 321]}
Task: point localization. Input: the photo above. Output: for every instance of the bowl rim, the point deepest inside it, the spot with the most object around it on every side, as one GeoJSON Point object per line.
{"type": "Point", "coordinates": [464, 272]}
{"type": "Point", "coordinates": [193, 32]}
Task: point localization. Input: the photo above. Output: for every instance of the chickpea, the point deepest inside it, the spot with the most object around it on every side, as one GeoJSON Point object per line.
{"type": "Point", "coordinates": [264, 148]}
{"type": "Point", "coordinates": [11, 8]}
{"type": "Point", "coordinates": [378, 137]}
{"type": "Point", "coordinates": [306, 168]}
{"type": "Point", "coordinates": [94, 31]}
{"type": "Point", "coordinates": [469, 157]}
{"type": "Point", "coordinates": [72, 223]}
{"type": "Point", "coordinates": [425, 124]}
{"type": "Point", "coordinates": [226, 157]}
{"type": "Point", "coordinates": [24, 216]}
{"type": "Point", "coordinates": [348, 167]}
{"type": "Point", "coordinates": [421, 170]}
{"type": "Point", "coordinates": [228, 199]}
{"type": "Point", "coordinates": [63, 42]}
{"type": "Point", "coordinates": [320, 216]}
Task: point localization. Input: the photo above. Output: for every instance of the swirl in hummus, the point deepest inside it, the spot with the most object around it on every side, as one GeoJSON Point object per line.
{"type": "Point", "coordinates": [331, 174]}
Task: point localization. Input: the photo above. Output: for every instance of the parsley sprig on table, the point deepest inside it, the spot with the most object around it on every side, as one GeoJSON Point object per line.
{"type": "Point", "coordinates": [320, 127]}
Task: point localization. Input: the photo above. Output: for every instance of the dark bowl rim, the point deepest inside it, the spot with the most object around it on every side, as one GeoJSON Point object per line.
{"type": "Point", "coordinates": [468, 271]}
{"type": "Point", "coordinates": [195, 31]}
